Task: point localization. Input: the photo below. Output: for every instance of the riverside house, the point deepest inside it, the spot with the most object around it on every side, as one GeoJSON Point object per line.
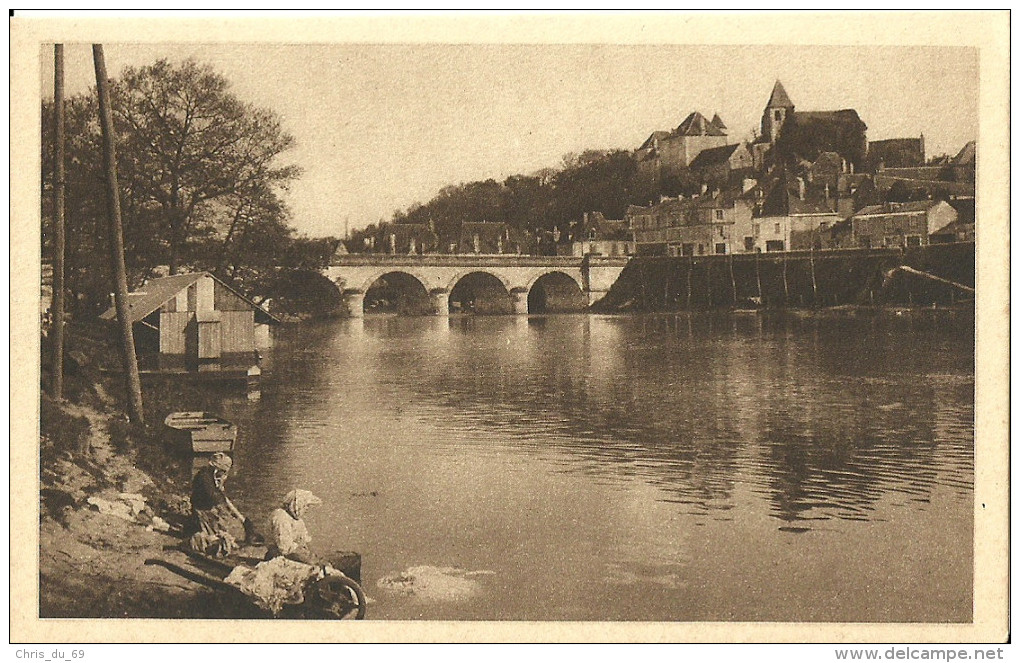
{"type": "Point", "coordinates": [597, 235]}
{"type": "Point", "coordinates": [794, 216]}
{"type": "Point", "coordinates": [713, 223]}
{"type": "Point", "coordinates": [896, 224]}
{"type": "Point", "coordinates": [195, 322]}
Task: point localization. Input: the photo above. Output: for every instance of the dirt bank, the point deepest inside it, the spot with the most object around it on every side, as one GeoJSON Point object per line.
{"type": "Point", "coordinates": [100, 519]}
{"type": "Point", "coordinates": [113, 495]}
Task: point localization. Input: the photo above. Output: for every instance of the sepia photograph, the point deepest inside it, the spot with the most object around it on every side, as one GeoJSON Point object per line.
{"type": "Point", "coordinates": [512, 329]}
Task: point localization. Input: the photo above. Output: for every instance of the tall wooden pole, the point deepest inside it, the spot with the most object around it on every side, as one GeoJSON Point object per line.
{"type": "Point", "coordinates": [116, 232]}
{"type": "Point", "coordinates": [57, 386]}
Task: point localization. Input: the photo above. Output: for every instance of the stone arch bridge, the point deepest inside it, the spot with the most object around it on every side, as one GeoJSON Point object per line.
{"type": "Point", "coordinates": [522, 283]}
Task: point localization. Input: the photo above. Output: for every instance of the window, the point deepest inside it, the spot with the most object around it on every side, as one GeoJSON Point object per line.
{"type": "Point", "coordinates": [757, 229]}
{"type": "Point", "coordinates": [591, 234]}
{"type": "Point", "coordinates": [720, 248]}
{"type": "Point", "coordinates": [778, 229]}
{"type": "Point", "coordinates": [701, 249]}
{"type": "Point", "coordinates": [749, 244]}
{"type": "Point", "coordinates": [721, 231]}
{"type": "Point", "coordinates": [774, 245]}
{"type": "Point", "coordinates": [687, 249]}
{"type": "Point", "coordinates": [779, 115]}
{"type": "Point", "coordinates": [719, 214]}
{"type": "Point", "coordinates": [913, 240]}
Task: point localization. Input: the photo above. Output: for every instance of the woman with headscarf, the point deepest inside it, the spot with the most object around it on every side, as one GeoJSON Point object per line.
{"type": "Point", "coordinates": [288, 535]}
{"type": "Point", "coordinates": [213, 510]}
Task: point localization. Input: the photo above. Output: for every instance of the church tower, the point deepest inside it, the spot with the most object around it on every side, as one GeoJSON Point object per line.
{"type": "Point", "coordinates": [777, 110]}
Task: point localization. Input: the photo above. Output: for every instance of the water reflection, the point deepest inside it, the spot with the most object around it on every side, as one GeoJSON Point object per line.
{"type": "Point", "coordinates": [815, 414]}
{"type": "Point", "coordinates": [544, 448]}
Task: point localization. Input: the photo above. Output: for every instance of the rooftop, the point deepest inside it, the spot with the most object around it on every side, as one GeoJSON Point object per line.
{"type": "Point", "coordinates": [157, 292]}
{"type": "Point", "coordinates": [779, 98]}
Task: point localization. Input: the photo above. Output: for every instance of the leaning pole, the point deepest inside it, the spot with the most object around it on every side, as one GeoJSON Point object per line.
{"type": "Point", "coordinates": [116, 232]}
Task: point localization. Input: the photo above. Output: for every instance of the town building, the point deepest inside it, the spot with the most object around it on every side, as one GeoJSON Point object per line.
{"type": "Point", "coordinates": [597, 235]}
{"type": "Point", "coordinates": [195, 322]}
{"type": "Point", "coordinates": [722, 166]}
{"type": "Point", "coordinates": [715, 222]}
{"type": "Point", "coordinates": [406, 239]}
{"type": "Point", "coordinates": [794, 215]}
{"type": "Point", "coordinates": [896, 153]}
{"type": "Point", "coordinates": [952, 178]}
{"type": "Point", "coordinates": [788, 135]}
{"type": "Point", "coordinates": [486, 238]}
{"type": "Point", "coordinates": [667, 153]}
{"type": "Point", "coordinates": [896, 225]}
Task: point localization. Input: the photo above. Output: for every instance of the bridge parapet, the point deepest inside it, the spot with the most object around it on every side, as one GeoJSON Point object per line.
{"type": "Point", "coordinates": [454, 260]}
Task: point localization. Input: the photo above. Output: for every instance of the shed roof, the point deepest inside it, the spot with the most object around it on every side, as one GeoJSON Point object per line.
{"type": "Point", "coordinates": [157, 292]}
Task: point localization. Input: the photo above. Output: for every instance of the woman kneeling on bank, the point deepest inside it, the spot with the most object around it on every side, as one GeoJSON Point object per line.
{"type": "Point", "coordinates": [288, 535]}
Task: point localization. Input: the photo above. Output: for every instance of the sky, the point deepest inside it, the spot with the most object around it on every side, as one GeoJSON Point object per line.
{"type": "Point", "coordinates": [380, 127]}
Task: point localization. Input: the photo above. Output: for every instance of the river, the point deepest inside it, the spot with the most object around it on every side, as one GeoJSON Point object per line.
{"type": "Point", "coordinates": [696, 467]}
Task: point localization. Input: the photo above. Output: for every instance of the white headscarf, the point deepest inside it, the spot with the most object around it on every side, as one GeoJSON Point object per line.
{"type": "Point", "coordinates": [297, 500]}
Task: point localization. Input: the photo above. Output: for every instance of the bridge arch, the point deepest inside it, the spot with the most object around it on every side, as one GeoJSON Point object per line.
{"type": "Point", "coordinates": [546, 272]}
{"type": "Point", "coordinates": [481, 291]}
{"type": "Point", "coordinates": [374, 276]}
{"type": "Point", "coordinates": [555, 291]}
{"type": "Point", "coordinates": [460, 274]}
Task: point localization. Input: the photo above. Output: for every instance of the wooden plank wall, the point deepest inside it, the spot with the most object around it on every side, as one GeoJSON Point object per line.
{"type": "Point", "coordinates": [237, 329]}
{"type": "Point", "coordinates": [172, 332]}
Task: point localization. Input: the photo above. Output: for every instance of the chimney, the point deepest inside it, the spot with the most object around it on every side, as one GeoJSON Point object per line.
{"type": "Point", "coordinates": [851, 167]}
{"type": "Point", "coordinates": [800, 188]}
{"type": "Point", "coordinates": [826, 192]}
{"type": "Point", "coordinates": [843, 169]}
{"type": "Point", "coordinates": [704, 188]}
{"type": "Point", "coordinates": [748, 185]}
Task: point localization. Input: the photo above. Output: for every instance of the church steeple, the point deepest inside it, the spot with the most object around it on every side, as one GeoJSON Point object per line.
{"type": "Point", "coordinates": [777, 110]}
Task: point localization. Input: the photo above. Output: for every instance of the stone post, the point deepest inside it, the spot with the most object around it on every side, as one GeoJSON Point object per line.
{"type": "Point", "coordinates": [440, 301]}
{"type": "Point", "coordinates": [354, 300]}
{"type": "Point", "coordinates": [520, 297]}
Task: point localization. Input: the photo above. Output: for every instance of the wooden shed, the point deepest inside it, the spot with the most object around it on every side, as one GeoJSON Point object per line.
{"type": "Point", "coordinates": [195, 322]}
